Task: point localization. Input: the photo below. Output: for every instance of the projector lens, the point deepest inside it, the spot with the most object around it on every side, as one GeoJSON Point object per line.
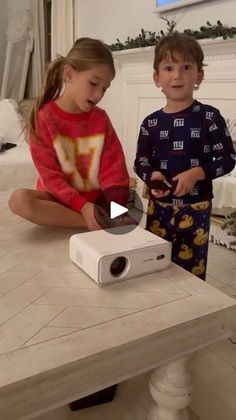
{"type": "Point", "coordinates": [118, 266]}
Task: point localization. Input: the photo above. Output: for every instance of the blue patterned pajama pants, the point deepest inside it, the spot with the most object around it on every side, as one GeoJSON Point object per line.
{"type": "Point", "coordinates": [187, 227]}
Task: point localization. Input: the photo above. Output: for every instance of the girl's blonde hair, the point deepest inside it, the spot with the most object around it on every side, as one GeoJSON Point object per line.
{"type": "Point", "coordinates": [85, 54]}
{"type": "Point", "coordinates": [180, 44]}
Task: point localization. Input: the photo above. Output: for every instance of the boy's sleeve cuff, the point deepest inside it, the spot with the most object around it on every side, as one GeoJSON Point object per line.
{"type": "Point", "coordinates": [77, 202]}
{"type": "Point", "coordinates": [207, 170]}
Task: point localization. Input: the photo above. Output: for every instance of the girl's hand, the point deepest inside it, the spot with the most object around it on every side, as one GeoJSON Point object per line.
{"type": "Point", "coordinates": [187, 180]}
{"type": "Point", "coordinates": [158, 176]}
{"type": "Point", "coordinates": [88, 213]}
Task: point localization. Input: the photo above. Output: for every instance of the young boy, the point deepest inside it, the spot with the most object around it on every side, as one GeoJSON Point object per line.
{"type": "Point", "coordinates": [187, 144]}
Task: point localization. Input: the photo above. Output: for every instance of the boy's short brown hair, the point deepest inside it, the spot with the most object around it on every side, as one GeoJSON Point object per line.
{"type": "Point", "coordinates": [181, 44]}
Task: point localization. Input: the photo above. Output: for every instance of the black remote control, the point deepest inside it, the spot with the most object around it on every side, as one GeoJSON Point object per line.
{"type": "Point", "coordinates": [160, 185]}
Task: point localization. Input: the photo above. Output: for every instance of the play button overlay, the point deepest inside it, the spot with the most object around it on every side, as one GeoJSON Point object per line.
{"type": "Point", "coordinates": [116, 210]}
{"type": "Point", "coordinates": [110, 210]}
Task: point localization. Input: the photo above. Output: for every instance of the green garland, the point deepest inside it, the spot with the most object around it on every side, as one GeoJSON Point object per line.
{"type": "Point", "coordinates": [148, 38]}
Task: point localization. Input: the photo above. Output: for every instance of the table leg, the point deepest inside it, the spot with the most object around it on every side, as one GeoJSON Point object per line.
{"type": "Point", "coordinates": [171, 389]}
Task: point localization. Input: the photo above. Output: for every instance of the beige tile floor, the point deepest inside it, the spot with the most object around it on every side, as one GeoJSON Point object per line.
{"type": "Point", "coordinates": [214, 368]}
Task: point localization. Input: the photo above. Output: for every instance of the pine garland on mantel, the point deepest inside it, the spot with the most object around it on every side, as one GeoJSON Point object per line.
{"type": "Point", "coordinates": [148, 38]}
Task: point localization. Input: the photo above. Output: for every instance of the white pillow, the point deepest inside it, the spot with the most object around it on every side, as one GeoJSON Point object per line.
{"type": "Point", "coordinates": [11, 123]}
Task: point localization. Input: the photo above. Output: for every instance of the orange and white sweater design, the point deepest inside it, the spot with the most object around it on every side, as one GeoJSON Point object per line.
{"type": "Point", "coordinates": [77, 155]}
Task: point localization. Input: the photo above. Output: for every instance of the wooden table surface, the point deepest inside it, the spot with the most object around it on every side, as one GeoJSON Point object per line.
{"type": "Point", "coordinates": [63, 337]}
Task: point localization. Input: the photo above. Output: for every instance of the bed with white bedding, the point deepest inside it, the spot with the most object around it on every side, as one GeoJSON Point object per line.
{"type": "Point", "coordinates": [16, 167]}
{"type": "Point", "coordinates": [224, 189]}
{"type": "Point", "coordinates": [224, 204]}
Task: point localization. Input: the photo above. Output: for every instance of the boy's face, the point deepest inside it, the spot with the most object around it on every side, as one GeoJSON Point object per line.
{"type": "Point", "coordinates": [177, 78]}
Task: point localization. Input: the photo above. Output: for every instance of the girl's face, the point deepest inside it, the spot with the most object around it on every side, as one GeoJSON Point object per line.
{"type": "Point", "coordinates": [84, 89]}
{"type": "Point", "coordinates": [178, 79]}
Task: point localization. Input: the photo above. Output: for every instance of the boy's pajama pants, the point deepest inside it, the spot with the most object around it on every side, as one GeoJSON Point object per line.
{"type": "Point", "coordinates": [187, 227]}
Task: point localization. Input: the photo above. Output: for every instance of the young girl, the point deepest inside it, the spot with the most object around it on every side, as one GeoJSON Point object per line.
{"type": "Point", "coordinates": [72, 142]}
{"type": "Point", "coordinates": [187, 144]}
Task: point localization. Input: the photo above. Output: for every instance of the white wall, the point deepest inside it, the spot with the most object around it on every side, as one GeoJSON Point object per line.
{"type": "Point", "coordinates": [3, 27]}
{"type": "Point", "coordinates": [111, 19]}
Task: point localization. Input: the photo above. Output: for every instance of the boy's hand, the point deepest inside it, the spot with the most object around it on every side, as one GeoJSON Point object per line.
{"type": "Point", "coordinates": [158, 176]}
{"type": "Point", "coordinates": [187, 180]}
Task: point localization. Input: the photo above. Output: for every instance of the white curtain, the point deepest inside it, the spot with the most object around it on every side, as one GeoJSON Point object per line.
{"type": "Point", "coordinates": [37, 63]}
{"type": "Point", "coordinates": [18, 52]}
{"type": "Point", "coordinates": [62, 27]}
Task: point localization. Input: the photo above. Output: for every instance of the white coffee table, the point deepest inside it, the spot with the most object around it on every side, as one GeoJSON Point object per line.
{"type": "Point", "coordinates": [63, 337]}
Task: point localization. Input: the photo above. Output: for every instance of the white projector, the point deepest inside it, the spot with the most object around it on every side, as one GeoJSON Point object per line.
{"type": "Point", "coordinates": [107, 256]}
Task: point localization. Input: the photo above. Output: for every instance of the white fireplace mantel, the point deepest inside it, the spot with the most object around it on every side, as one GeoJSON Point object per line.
{"type": "Point", "coordinates": [213, 49]}
{"type": "Point", "coordinates": [133, 94]}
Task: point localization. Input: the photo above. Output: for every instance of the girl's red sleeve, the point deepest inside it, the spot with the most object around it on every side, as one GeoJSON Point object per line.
{"type": "Point", "coordinates": [51, 177]}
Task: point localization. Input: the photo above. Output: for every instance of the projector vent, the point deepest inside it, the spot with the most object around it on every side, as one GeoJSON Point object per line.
{"type": "Point", "coordinates": [79, 257]}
